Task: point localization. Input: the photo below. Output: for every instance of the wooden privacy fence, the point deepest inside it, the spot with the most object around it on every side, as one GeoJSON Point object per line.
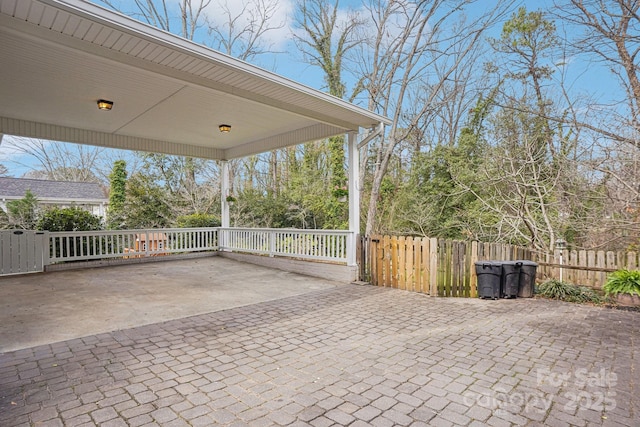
{"type": "Point", "coordinates": [443, 267]}
{"type": "Point", "coordinates": [585, 268]}
{"type": "Point", "coordinates": [436, 266]}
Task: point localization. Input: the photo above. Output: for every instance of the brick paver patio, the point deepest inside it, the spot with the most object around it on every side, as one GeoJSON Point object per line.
{"type": "Point", "coordinates": [351, 355]}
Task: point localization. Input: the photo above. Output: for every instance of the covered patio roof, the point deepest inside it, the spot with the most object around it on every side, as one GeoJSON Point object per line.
{"type": "Point", "coordinates": [170, 95]}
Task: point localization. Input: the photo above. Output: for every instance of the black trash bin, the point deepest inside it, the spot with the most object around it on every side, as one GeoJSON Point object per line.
{"type": "Point", "coordinates": [527, 278]}
{"type": "Point", "coordinates": [489, 279]}
{"type": "Point", "coordinates": [511, 275]}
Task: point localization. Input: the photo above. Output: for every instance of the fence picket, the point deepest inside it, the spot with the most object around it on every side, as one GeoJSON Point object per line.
{"type": "Point", "coordinates": [473, 279]}
{"type": "Point", "coordinates": [424, 265]}
{"type": "Point", "coordinates": [442, 267]}
{"type": "Point", "coordinates": [591, 261]}
{"type": "Point", "coordinates": [433, 267]}
{"type": "Point", "coordinates": [386, 261]}
{"type": "Point", "coordinates": [417, 265]}
{"type": "Point", "coordinates": [601, 276]}
{"type": "Point", "coordinates": [402, 263]}
{"type": "Point", "coordinates": [457, 279]}
{"type": "Point", "coordinates": [632, 261]}
{"type": "Point", "coordinates": [410, 274]}
{"type": "Point", "coordinates": [394, 262]}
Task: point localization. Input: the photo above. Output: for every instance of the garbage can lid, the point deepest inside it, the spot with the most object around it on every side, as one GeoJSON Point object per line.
{"type": "Point", "coordinates": [488, 263]}
{"type": "Point", "coordinates": [528, 263]}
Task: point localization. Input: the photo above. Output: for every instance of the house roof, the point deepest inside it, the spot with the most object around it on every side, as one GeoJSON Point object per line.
{"type": "Point", "coordinates": [15, 188]}
{"type": "Point", "coordinates": [60, 56]}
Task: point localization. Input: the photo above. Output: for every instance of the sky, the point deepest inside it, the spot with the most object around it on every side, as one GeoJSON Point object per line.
{"type": "Point", "coordinates": [290, 63]}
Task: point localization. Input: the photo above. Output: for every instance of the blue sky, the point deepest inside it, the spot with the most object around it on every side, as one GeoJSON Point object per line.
{"type": "Point", "coordinates": [289, 61]}
{"type": "Point", "coordinates": [588, 78]}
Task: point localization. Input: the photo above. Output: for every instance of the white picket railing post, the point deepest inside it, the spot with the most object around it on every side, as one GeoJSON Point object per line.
{"type": "Point", "coordinates": [272, 243]}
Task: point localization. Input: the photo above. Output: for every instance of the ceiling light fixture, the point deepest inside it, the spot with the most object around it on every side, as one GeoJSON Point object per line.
{"type": "Point", "coordinates": [103, 104]}
{"type": "Point", "coordinates": [225, 128]}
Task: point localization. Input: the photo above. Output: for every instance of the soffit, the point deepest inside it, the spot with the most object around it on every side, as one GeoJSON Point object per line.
{"type": "Point", "coordinates": [59, 57]}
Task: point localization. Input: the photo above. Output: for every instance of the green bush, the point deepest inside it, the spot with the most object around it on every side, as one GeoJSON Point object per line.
{"type": "Point", "coordinates": [556, 289]}
{"type": "Point", "coordinates": [197, 220]}
{"type": "Point", "coordinates": [623, 282]}
{"type": "Point", "coordinates": [69, 219]}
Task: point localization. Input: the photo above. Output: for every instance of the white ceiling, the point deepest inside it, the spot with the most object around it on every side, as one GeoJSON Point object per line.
{"type": "Point", "coordinates": [58, 57]}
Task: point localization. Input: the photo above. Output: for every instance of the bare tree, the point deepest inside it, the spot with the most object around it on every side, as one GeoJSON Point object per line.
{"type": "Point", "coordinates": [326, 36]}
{"type": "Point", "coordinates": [159, 13]}
{"type": "Point", "coordinates": [56, 160]}
{"type": "Point", "coordinates": [610, 33]}
{"type": "Point", "coordinates": [520, 185]}
{"type": "Point", "coordinates": [410, 41]}
{"type": "Point", "coordinates": [325, 39]}
{"type": "Point", "coordinates": [244, 32]}
{"type": "Point", "coordinates": [568, 189]}
{"type": "Point", "coordinates": [618, 225]}
{"type": "Point", "coordinates": [61, 161]}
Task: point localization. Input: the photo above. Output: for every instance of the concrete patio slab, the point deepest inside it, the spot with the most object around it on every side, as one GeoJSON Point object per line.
{"type": "Point", "coordinates": [49, 307]}
{"type": "Point", "coordinates": [343, 355]}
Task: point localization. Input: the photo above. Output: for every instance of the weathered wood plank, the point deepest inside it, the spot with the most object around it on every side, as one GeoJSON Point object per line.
{"type": "Point", "coordinates": [591, 275]}
{"type": "Point", "coordinates": [601, 277]}
{"type": "Point", "coordinates": [632, 261]}
{"type": "Point", "coordinates": [473, 281]}
{"type": "Point", "coordinates": [394, 261]}
{"type": "Point", "coordinates": [386, 244]}
{"type": "Point", "coordinates": [425, 268]}
{"type": "Point", "coordinates": [402, 263]}
{"type": "Point", "coordinates": [416, 270]}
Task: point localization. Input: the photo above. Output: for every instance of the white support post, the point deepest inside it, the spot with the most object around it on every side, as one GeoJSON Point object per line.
{"type": "Point", "coordinates": [354, 196]}
{"type": "Point", "coordinates": [224, 192]}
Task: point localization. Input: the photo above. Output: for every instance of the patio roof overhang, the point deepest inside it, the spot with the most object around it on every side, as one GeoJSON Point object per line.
{"type": "Point", "coordinates": [170, 95]}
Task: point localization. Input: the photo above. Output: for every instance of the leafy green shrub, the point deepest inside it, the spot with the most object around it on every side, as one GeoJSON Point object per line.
{"type": "Point", "coordinates": [69, 219]}
{"type": "Point", "coordinates": [556, 289]}
{"type": "Point", "coordinates": [623, 282]}
{"type": "Point", "coordinates": [198, 220]}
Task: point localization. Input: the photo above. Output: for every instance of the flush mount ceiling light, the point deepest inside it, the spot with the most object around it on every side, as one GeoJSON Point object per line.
{"type": "Point", "coordinates": [103, 104]}
{"type": "Point", "coordinates": [225, 128]}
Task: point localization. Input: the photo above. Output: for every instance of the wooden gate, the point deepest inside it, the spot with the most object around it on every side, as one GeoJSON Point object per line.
{"type": "Point", "coordinates": [22, 251]}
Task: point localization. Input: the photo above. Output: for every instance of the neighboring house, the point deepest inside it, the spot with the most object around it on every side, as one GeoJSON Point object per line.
{"type": "Point", "coordinates": [87, 195]}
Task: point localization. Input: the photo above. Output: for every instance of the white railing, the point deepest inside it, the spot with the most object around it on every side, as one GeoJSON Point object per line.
{"type": "Point", "coordinates": [322, 245]}
{"type": "Point", "coordinates": [91, 245]}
